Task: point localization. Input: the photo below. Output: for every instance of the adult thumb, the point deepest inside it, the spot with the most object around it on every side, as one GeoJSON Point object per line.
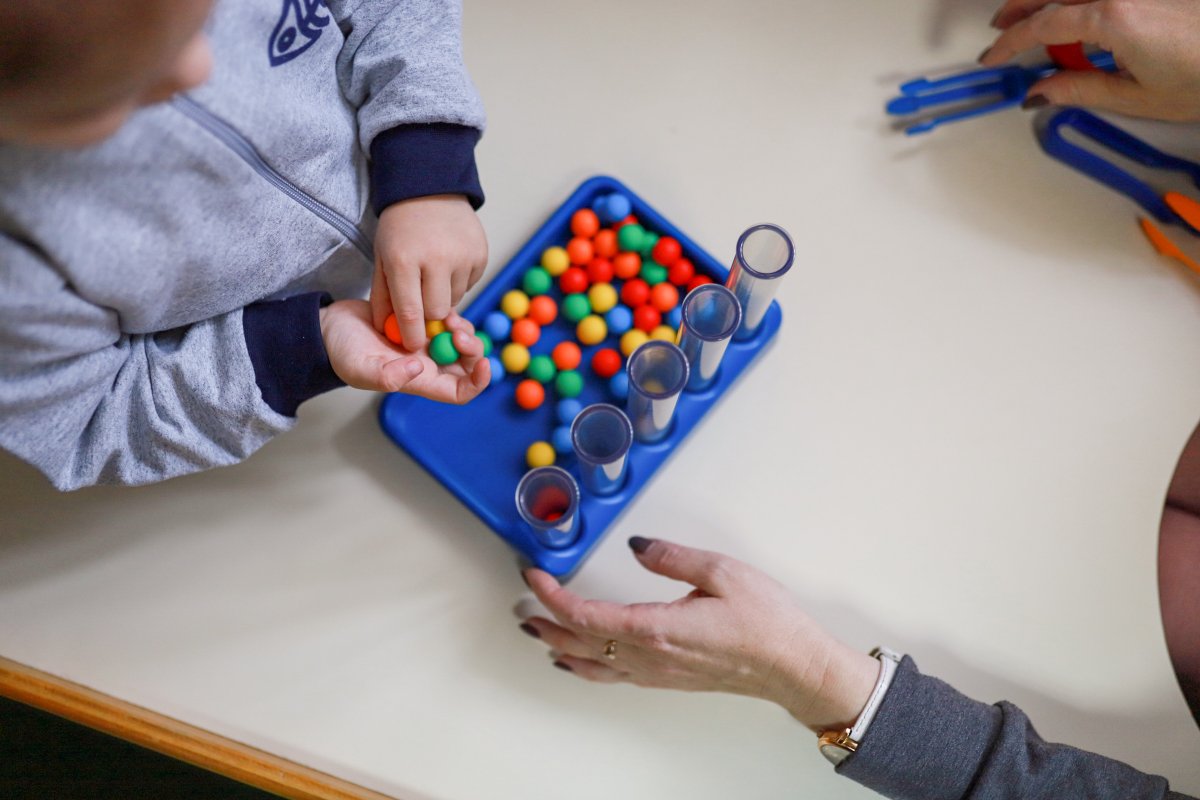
{"type": "Point", "coordinates": [1096, 90]}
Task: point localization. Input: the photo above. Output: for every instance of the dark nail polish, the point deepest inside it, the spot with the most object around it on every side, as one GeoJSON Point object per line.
{"type": "Point", "coordinates": [638, 544]}
{"type": "Point", "coordinates": [1036, 101]}
{"type": "Point", "coordinates": [532, 631]}
{"type": "Point", "coordinates": [996, 18]}
{"type": "Point", "coordinates": [563, 667]}
{"type": "Point", "coordinates": [983, 55]}
{"type": "Point", "coordinates": [525, 578]}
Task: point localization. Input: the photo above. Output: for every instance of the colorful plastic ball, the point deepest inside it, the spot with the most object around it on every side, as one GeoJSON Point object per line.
{"type": "Point", "coordinates": [667, 251]}
{"type": "Point", "coordinates": [645, 318]}
{"type": "Point", "coordinates": [566, 355]}
{"type": "Point", "coordinates": [653, 274]}
{"type": "Point", "coordinates": [576, 306]}
{"type": "Point", "coordinates": [573, 281]}
{"type": "Point", "coordinates": [629, 219]}
{"type": "Point", "coordinates": [619, 385]}
{"type": "Point", "coordinates": [630, 237]}
{"type": "Point", "coordinates": [585, 223]}
{"type": "Point", "coordinates": [536, 281]}
{"type": "Point", "coordinates": [543, 310]}
{"type": "Point", "coordinates": [681, 272]}
{"type": "Point", "coordinates": [527, 332]}
{"type": "Point", "coordinates": [699, 280]}
{"type": "Point", "coordinates": [605, 243]}
{"type": "Point", "coordinates": [567, 409]}
{"type": "Point", "coordinates": [391, 329]}
{"type": "Point", "coordinates": [541, 369]}
{"type": "Point", "coordinates": [514, 357]}
{"type": "Point", "coordinates": [606, 362]}
{"type": "Point", "coordinates": [619, 320]}
{"type": "Point", "coordinates": [664, 297]}
{"type": "Point", "coordinates": [442, 349]}
{"type": "Point", "coordinates": [487, 342]}
{"type": "Point", "coordinates": [498, 371]}
{"type": "Point", "coordinates": [612, 207]}
{"type": "Point", "coordinates": [569, 383]}
{"type": "Point", "coordinates": [649, 239]}
{"type": "Point", "coordinates": [600, 270]}
{"type": "Point", "coordinates": [603, 297]}
{"type": "Point", "coordinates": [675, 317]}
{"type": "Point", "coordinates": [635, 292]}
{"type": "Point", "coordinates": [497, 325]}
{"type": "Point", "coordinates": [627, 265]}
{"type": "Point", "coordinates": [663, 333]}
{"type": "Point", "coordinates": [591, 330]}
{"type": "Point", "coordinates": [539, 454]}
{"type": "Point", "coordinates": [515, 304]}
{"type": "Point", "coordinates": [631, 340]}
{"type": "Point", "coordinates": [555, 260]}
{"type": "Point", "coordinates": [530, 394]}
{"type": "Point", "coordinates": [561, 439]}
{"type": "Point", "coordinates": [433, 327]}
{"type": "Point", "coordinates": [580, 251]}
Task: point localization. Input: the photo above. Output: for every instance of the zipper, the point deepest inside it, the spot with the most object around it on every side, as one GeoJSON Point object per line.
{"type": "Point", "coordinates": [240, 145]}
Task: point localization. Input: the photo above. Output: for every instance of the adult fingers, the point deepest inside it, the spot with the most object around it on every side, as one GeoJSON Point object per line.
{"type": "Point", "coordinates": [1100, 90]}
{"type": "Point", "coordinates": [712, 573]}
{"type": "Point", "coordinates": [562, 640]}
{"type": "Point", "coordinates": [1014, 11]}
{"type": "Point", "coordinates": [405, 286]}
{"type": "Point", "coordinates": [1056, 24]}
{"type": "Point", "coordinates": [435, 292]}
{"type": "Point", "coordinates": [590, 670]}
{"type": "Point", "coordinates": [596, 617]}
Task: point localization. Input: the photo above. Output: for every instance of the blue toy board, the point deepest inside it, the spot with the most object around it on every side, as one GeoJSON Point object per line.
{"type": "Point", "coordinates": [478, 450]}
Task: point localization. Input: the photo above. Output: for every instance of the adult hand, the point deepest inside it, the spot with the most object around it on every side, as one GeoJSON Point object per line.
{"type": "Point", "coordinates": [1156, 44]}
{"type": "Point", "coordinates": [428, 252]}
{"type": "Point", "coordinates": [365, 359]}
{"type": "Point", "coordinates": [737, 631]}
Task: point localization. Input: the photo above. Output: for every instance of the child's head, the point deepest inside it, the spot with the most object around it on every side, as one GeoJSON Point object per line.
{"type": "Point", "coordinates": [72, 72]}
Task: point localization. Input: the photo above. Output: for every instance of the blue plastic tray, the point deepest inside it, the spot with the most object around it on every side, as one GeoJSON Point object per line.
{"type": "Point", "coordinates": [478, 450]}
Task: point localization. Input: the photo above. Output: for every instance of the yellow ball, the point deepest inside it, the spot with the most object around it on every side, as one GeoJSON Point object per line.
{"type": "Point", "coordinates": [433, 327]}
{"type": "Point", "coordinates": [603, 297]}
{"type": "Point", "coordinates": [591, 329]}
{"type": "Point", "coordinates": [539, 454]}
{"type": "Point", "coordinates": [515, 358]}
{"type": "Point", "coordinates": [515, 304]}
{"type": "Point", "coordinates": [664, 333]}
{"type": "Point", "coordinates": [555, 261]}
{"type": "Point", "coordinates": [631, 340]}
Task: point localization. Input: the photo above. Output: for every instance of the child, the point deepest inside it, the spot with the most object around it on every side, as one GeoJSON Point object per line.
{"type": "Point", "coordinates": [167, 287]}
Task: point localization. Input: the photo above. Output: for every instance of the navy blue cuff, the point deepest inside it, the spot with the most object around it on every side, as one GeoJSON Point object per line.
{"type": "Point", "coordinates": [421, 160]}
{"type": "Point", "coordinates": [284, 340]}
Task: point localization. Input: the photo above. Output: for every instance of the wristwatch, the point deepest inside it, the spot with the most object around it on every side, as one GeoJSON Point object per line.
{"type": "Point", "coordinates": [838, 745]}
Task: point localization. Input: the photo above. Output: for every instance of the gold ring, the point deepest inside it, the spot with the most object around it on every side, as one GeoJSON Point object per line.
{"type": "Point", "coordinates": [610, 649]}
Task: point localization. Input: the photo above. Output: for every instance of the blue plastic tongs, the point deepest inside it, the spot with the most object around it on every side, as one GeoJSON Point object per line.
{"type": "Point", "coordinates": [995, 89]}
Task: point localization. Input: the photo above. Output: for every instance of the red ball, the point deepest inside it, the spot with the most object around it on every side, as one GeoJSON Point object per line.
{"type": "Point", "coordinates": [605, 243]}
{"type": "Point", "coordinates": [525, 331]}
{"type": "Point", "coordinates": [635, 293]}
{"type": "Point", "coordinates": [573, 281]}
{"type": "Point", "coordinates": [600, 270]}
{"type": "Point", "coordinates": [699, 280]}
{"type": "Point", "coordinates": [580, 251]}
{"type": "Point", "coordinates": [627, 221]}
{"type": "Point", "coordinates": [646, 318]}
{"type": "Point", "coordinates": [543, 310]}
{"type": "Point", "coordinates": [585, 223]}
{"type": "Point", "coordinates": [681, 272]}
{"type": "Point", "coordinates": [627, 265]}
{"type": "Point", "coordinates": [566, 355]}
{"type": "Point", "coordinates": [606, 362]}
{"type": "Point", "coordinates": [530, 394]}
{"type": "Point", "coordinates": [667, 251]}
{"type": "Point", "coordinates": [664, 297]}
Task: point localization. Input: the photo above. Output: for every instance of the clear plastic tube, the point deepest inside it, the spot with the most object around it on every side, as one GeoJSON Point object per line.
{"type": "Point", "coordinates": [548, 501]}
{"type": "Point", "coordinates": [658, 371]}
{"type": "Point", "coordinates": [602, 435]}
{"type": "Point", "coordinates": [710, 315]}
{"type": "Point", "coordinates": [764, 255]}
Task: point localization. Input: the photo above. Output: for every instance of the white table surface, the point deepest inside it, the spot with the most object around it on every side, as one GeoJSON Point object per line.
{"type": "Point", "coordinates": [959, 445]}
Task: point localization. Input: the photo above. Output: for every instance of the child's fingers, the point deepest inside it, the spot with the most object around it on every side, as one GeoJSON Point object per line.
{"type": "Point", "coordinates": [458, 287]}
{"type": "Point", "coordinates": [405, 286]}
{"type": "Point", "coordinates": [381, 301]}
{"type": "Point", "coordinates": [435, 292]}
{"type": "Point", "coordinates": [1052, 25]}
{"type": "Point", "coordinates": [469, 386]}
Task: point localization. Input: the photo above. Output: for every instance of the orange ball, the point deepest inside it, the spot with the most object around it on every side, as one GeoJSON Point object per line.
{"type": "Point", "coordinates": [525, 331]}
{"type": "Point", "coordinates": [664, 297]}
{"type": "Point", "coordinates": [605, 243]}
{"type": "Point", "coordinates": [543, 310]}
{"type": "Point", "coordinates": [585, 223]}
{"type": "Point", "coordinates": [580, 251]}
{"type": "Point", "coordinates": [627, 265]}
{"type": "Point", "coordinates": [566, 355]}
{"type": "Point", "coordinates": [391, 329]}
{"type": "Point", "coordinates": [530, 394]}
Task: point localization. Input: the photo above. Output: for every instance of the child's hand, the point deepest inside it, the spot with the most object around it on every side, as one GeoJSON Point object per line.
{"type": "Point", "coordinates": [428, 252]}
{"type": "Point", "coordinates": [364, 359]}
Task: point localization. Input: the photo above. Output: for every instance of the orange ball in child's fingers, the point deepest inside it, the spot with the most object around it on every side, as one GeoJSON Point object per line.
{"type": "Point", "coordinates": [391, 329]}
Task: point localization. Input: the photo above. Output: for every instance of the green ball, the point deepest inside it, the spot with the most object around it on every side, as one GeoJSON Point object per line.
{"type": "Point", "coordinates": [541, 369]}
{"type": "Point", "coordinates": [576, 306]}
{"type": "Point", "coordinates": [648, 241]}
{"type": "Point", "coordinates": [653, 274]}
{"type": "Point", "coordinates": [487, 342]}
{"type": "Point", "coordinates": [536, 281]}
{"type": "Point", "coordinates": [442, 349]}
{"type": "Point", "coordinates": [569, 383]}
{"type": "Point", "coordinates": [629, 237]}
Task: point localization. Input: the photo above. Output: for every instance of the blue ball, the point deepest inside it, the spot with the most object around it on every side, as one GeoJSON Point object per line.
{"type": "Point", "coordinates": [561, 439]}
{"type": "Point", "coordinates": [619, 385]}
{"type": "Point", "coordinates": [498, 372]}
{"type": "Point", "coordinates": [612, 208]}
{"type": "Point", "coordinates": [675, 317]}
{"type": "Point", "coordinates": [619, 319]}
{"type": "Point", "coordinates": [567, 410]}
{"type": "Point", "coordinates": [497, 325]}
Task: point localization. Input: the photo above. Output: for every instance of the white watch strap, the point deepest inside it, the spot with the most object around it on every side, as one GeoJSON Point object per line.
{"type": "Point", "coordinates": [888, 661]}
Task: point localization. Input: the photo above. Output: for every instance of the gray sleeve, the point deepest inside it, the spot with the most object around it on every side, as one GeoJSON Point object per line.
{"type": "Point", "coordinates": [87, 404]}
{"type": "Point", "coordinates": [402, 64]}
{"type": "Point", "coordinates": [930, 742]}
